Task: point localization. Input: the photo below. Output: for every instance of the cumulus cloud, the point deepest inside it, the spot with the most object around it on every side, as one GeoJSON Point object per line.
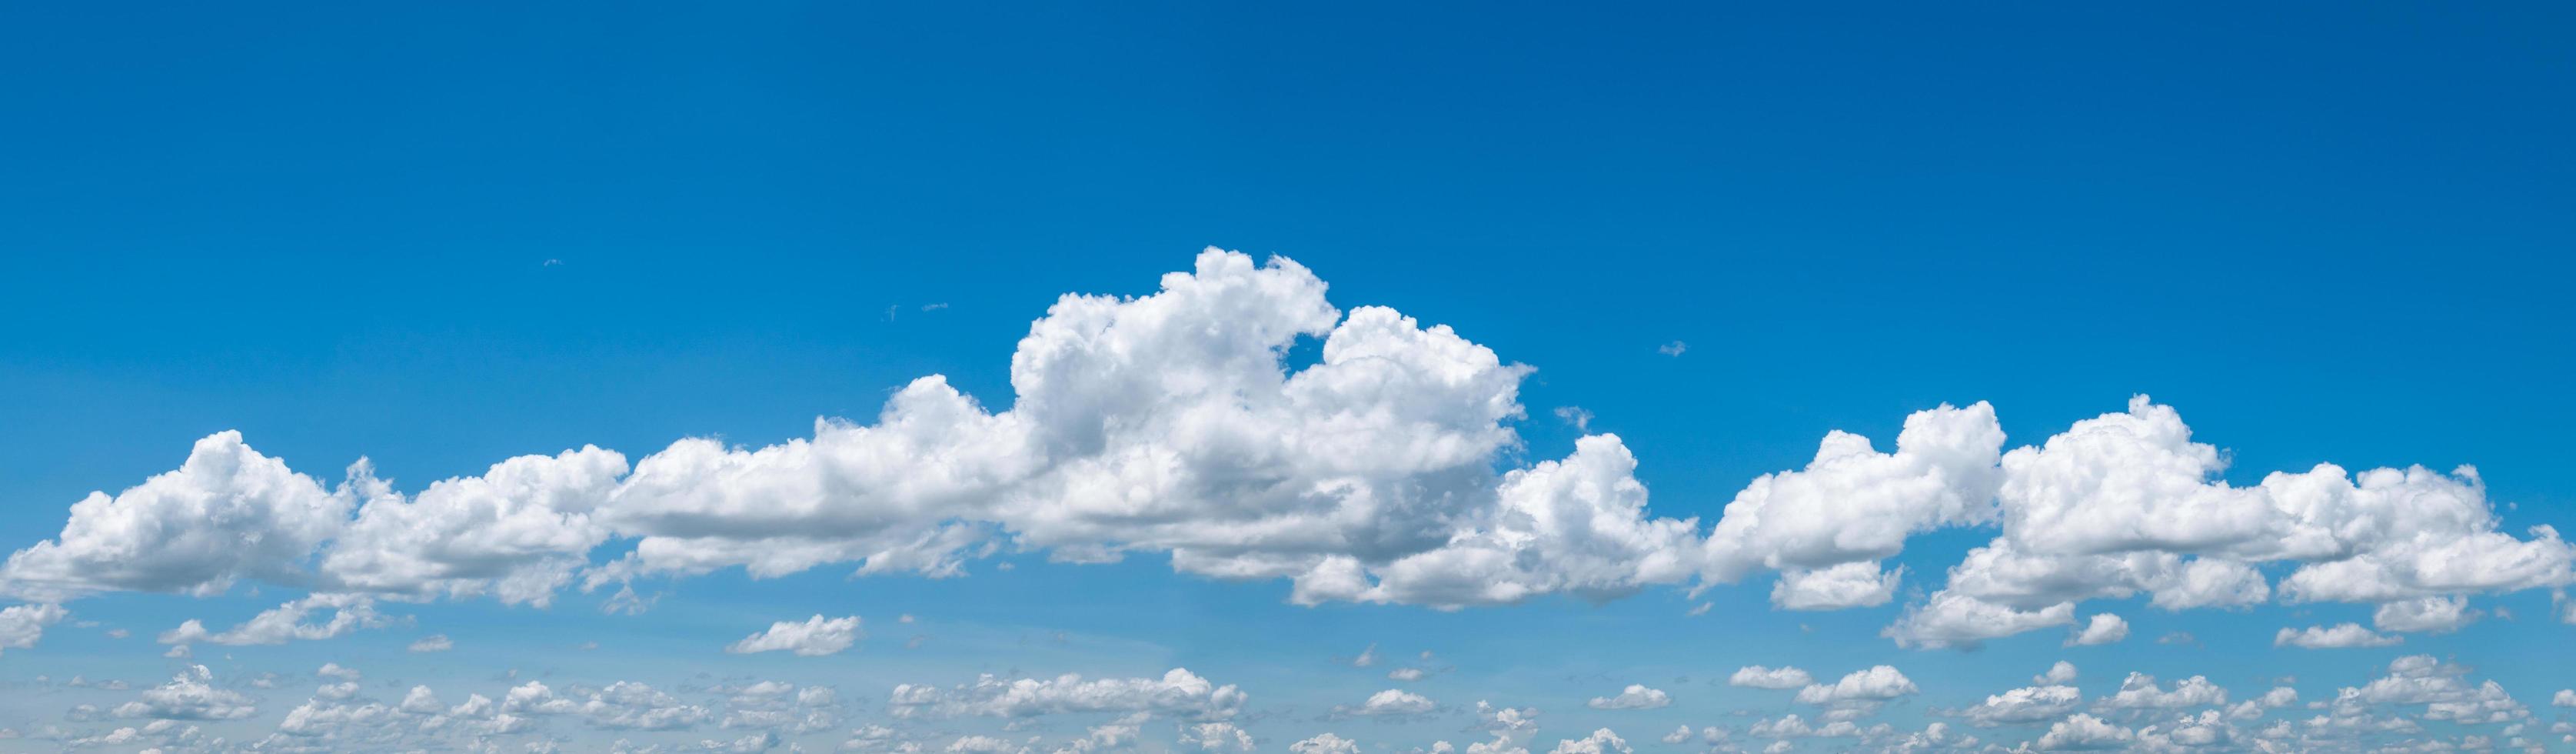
{"type": "Point", "coordinates": [432, 643]}
{"type": "Point", "coordinates": [1392, 702]}
{"type": "Point", "coordinates": [284, 623]}
{"type": "Point", "coordinates": [2058, 674]}
{"type": "Point", "coordinates": [2031, 704]}
{"type": "Point", "coordinates": [2081, 732]}
{"type": "Point", "coordinates": [1635, 696]}
{"type": "Point", "coordinates": [1179, 693]}
{"type": "Point", "coordinates": [1859, 584]}
{"type": "Point", "coordinates": [1326, 743]}
{"type": "Point", "coordinates": [2140, 691]}
{"type": "Point", "coordinates": [190, 695]}
{"type": "Point", "coordinates": [1853, 505]}
{"type": "Point", "coordinates": [2103, 629]}
{"type": "Point", "coordinates": [2128, 503]}
{"type": "Point", "coordinates": [1756, 676]}
{"type": "Point", "coordinates": [1167, 423]}
{"type": "Point", "coordinates": [22, 625]}
{"type": "Point", "coordinates": [1387, 468]}
{"type": "Point", "coordinates": [2339, 636]}
{"type": "Point", "coordinates": [2438, 615]}
{"type": "Point", "coordinates": [1878, 683]}
{"type": "Point", "coordinates": [1602, 741]}
{"type": "Point", "coordinates": [815, 637]}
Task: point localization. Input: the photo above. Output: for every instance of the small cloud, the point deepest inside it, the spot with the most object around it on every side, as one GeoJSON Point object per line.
{"type": "Point", "coordinates": [934, 307]}
{"type": "Point", "coordinates": [1576, 416]}
{"type": "Point", "coordinates": [1702, 609]}
{"type": "Point", "coordinates": [2178, 638]}
{"type": "Point", "coordinates": [1674, 348]}
{"type": "Point", "coordinates": [553, 263]}
{"type": "Point", "coordinates": [433, 643]}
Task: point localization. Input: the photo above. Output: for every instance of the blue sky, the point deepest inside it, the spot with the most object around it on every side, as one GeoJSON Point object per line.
{"type": "Point", "coordinates": [441, 237]}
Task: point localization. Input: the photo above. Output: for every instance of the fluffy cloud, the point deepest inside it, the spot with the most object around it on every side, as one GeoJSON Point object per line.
{"type": "Point", "coordinates": [2140, 691]}
{"type": "Point", "coordinates": [1325, 744]}
{"type": "Point", "coordinates": [1178, 692]}
{"type": "Point", "coordinates": [815, 637]}
{"type": "Point", "coordinates": [190, 695]}
{"type": "Point", "coordinates": [1385, 469]}
{"type": "Point", "coordinates": [2427, 615]}
{"type": "Point", "coordinates": [432, 643]}
{"type": "Point", "coordinates": [226, 513]}
{"type": "Point", "coordinates": [1952, 619]}
{"type": "Point", "coordinates": [1879, 683]}
{"type": "Point", "coordinates": [2058, 674]}
{"type": "Point", "coordinates": [284, 623]}
{"type": "Point", "coordinates": [1167, 423]}
{"type": "Point", "coordinates": [1760, 677]}
{"type": "Point", "coordinates": [1602, 741]}
{"type": "Point", "coordinates": [1393, 702]}
{"type": "Point", "coordinates": [2024, 705]}
{"type": "Point", "coordinates": [1635, 696]}
{"type": "Point", "coordinates": [1853, 504]}
{"type": "Point", "coordinates": [2128, 503]}
{"type": "Point", "coordinates": [2340, 636]}
{"type": "Point", "coordinates": [1859, 584]}
{"type": "Point", "coordinates": [2103, 629]}
{"type": "Point", "coordinates": [1216, 737]}
{"type": "Point", "coordinates": [22, 625]}
{"type": "Point", "coordinates": [2081, 732]}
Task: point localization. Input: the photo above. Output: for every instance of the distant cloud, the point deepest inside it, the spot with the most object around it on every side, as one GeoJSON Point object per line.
{"type": "Point", "coordinates": [433, 643]}
{"type": "Point", "coordinates": [1576, 417]}
{"type": "Point", "coordinates": [2104, 628]}
{"type": "Point", "coordinates": [1636, 696]}
{"type": "Point", "coordinates": [2342, 636]}
{"type": "Point", "coordinates": [815, 637]}
{"type": "Point", "coordinates": [1674, 348]}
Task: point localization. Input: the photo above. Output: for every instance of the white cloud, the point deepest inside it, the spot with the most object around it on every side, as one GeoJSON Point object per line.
{"type": "Point", "coordinates": [1858, 584]}
{"type": "Point", "coordinates": [2565, 698]}
{"type": "Point", "coordinates": [284, 623]}
{"type": "Point", "coordinates": [2140, 691]}
{"type": "Point", "coordinates": [189, 696]}
{"type": "Point", "coordinates": [2438, 615]}
{"type": "Point", "coordinates": [1393, 702]}
{"type": "Point", "coordinates": [2025, 705]}
{"type": "Point", "coordinates": [2058, 674]}
{"type": "Point", "coordinates": [1853, 504]}
{"type": "Point", "coordinates": [2081, 732]}
{"type": "Point", "coordinates": [1952, 619]}
{"type": "Point", "coordinates": [432, 643]}
{"type": "Point", "coordinates": [1878, 683]}
{"type": "Point", "coordinates": [224, 514]}
{"type": "Point", "coordinates": [1635, 696]}
{"type": "Point", "coordinates": [1602, 741]}
{"type": "Point", "coordinates": [815, 637]}
{"type": "Point", "coordinates": [1166, 423]}
{"type": "Point", "coordinates": [1178, 692]}
{"type": "Point", "coordinates": [2103, 629]}
{"type": "Point", "coordinates": [1756, 676]}
{"type": "Point", "coordinates": [22, 625]}
{"type": "Point", "coordinates": [1216, 737]}
{"type": "Point", "coordinates": [2340, 636]}
{"type": "Point", "coordinates": [1325, 744]}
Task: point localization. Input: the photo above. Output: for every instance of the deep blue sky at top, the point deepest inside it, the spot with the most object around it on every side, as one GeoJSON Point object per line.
{"type": "Point", "coordinates": [2324, 232]}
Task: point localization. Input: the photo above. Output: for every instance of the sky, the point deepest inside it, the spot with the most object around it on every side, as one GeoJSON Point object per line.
{"type": "Point", "coordinates": [1506, 378]}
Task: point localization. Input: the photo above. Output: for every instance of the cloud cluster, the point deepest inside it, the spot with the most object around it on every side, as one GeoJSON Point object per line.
{"type": "Point", "coordinates": [1381, 465]}
{"type": "Point", "coordinates": [813, 637]}
{"type": "Point", "coordinates": [1178, 693]}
